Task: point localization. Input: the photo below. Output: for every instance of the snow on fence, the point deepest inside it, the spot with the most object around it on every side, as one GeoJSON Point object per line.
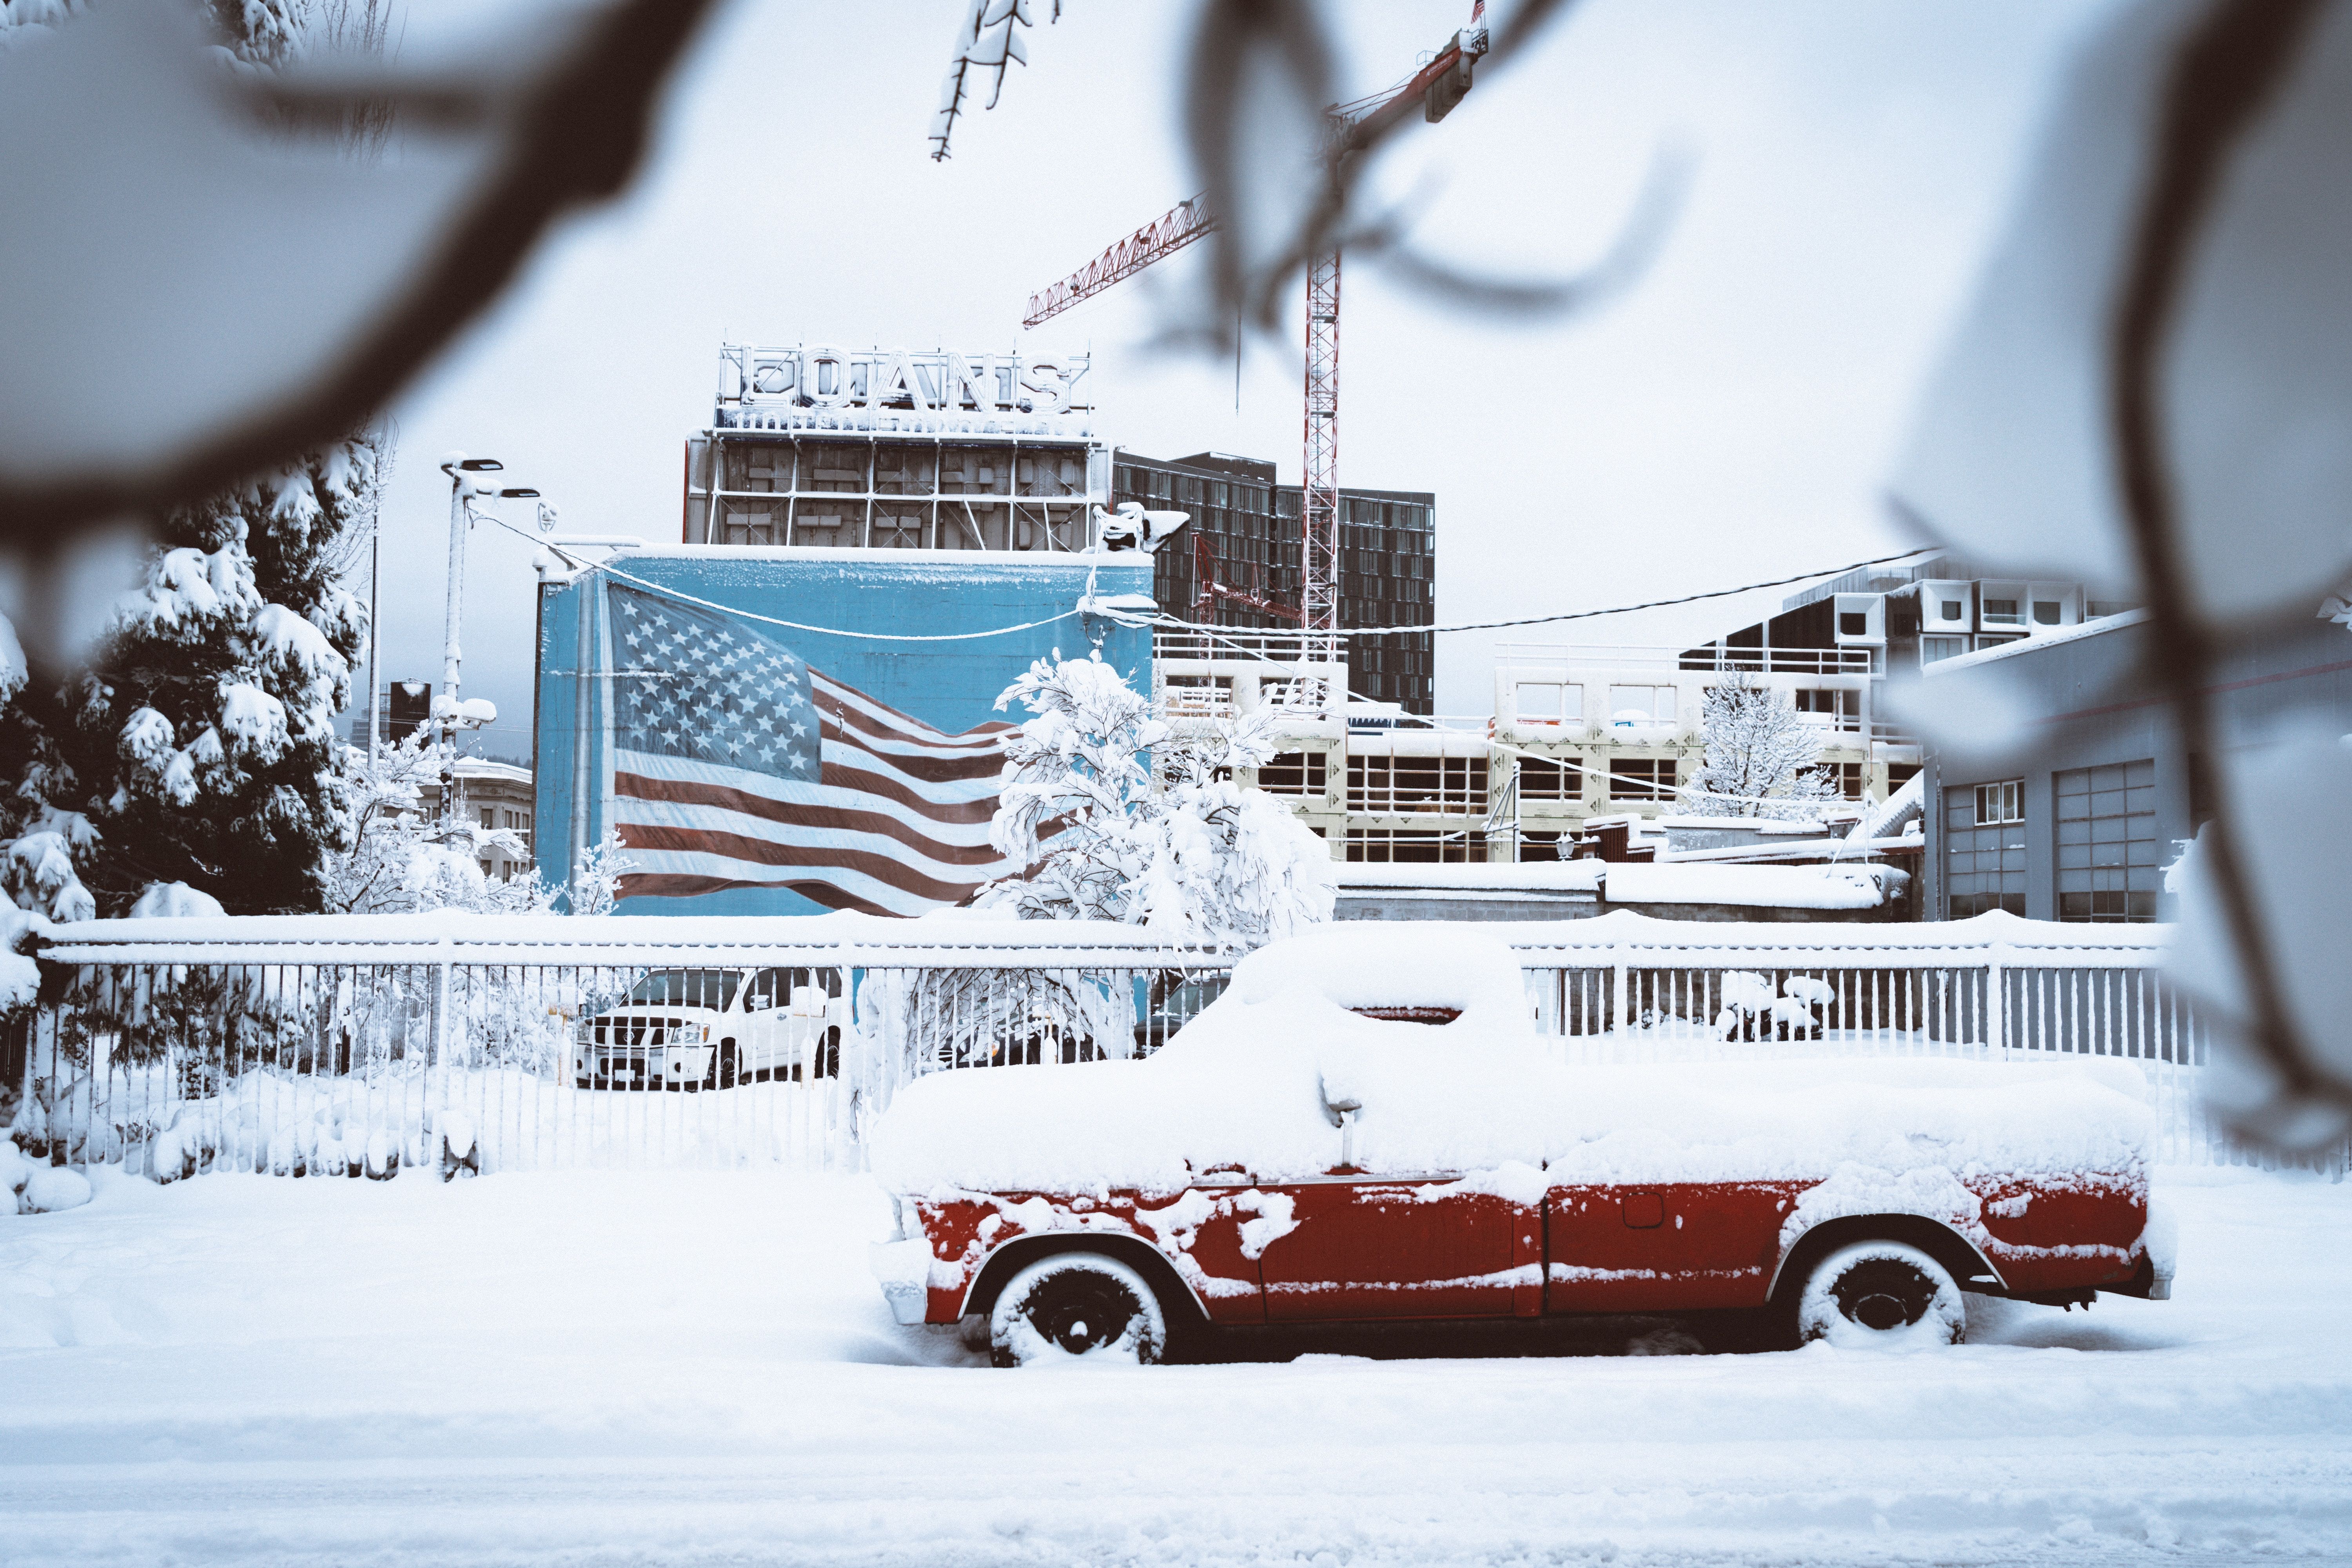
{"type": "Point", "coordinates": [355, 1046]}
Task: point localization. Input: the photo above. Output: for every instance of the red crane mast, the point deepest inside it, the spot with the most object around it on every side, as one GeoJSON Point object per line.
{"type": "Point", "coordinates": [1439, 85]}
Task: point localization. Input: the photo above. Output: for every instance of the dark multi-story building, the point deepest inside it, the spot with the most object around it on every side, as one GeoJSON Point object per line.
{"type": "Point", "coordinates": [1238, 563]}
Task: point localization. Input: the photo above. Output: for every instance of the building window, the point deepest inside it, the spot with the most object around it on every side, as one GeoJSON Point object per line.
{"type": "Point", "coordinates": [1198, 695]}
{"type": "Point", "coordinates": [1631, 705]}
{"type": "Point", "coordinates": [489, 817]}
{"type": "Point", "coordinates": [1984, 848]}
{"type": "Point", "coordinates": [1854, 624]}
{"type": "Point", "coordinates": [1549, 702]}
{"type": "Point", "coordinates": [1383, 785]}
{"type": "Point", "coordinates": [1382, 846]}
{"type": "Point", "coordinates": [2045, 612]}
{"type": "Point", "coordinates": [1835, 709]}
{"type": "Point", "coordinates": [2108, 862]}
{"type": "Point", "coordinates": [1999, 803]}
{"type": "Point", "coordinates": [1954, 609]}
{"type": "Point", "coordinates": [1849, 779]}
{"type": "Point", "coordinates": [1933, 648]}
{"type": "Point", "coordinates": [1295, 772]}
{"type": "Point", "coordinates": [2099, 609]}
{"type": "Point", "coordinates": [2002, 612]}
{"type": "Point", "coordinates": [1900, 774]}
{"type": "Point", "coordinates": [1641, 778]}
{"type": "Point", "coordinates": [1548, 780]}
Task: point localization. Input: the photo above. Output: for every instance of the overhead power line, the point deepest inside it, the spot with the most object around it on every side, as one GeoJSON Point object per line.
{"type": "Point", "coordinates": [1645, 605]}
{"type": "Point", "coordinates": [1172, 622]}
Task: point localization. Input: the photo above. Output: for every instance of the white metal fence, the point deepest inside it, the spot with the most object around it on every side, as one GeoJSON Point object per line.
{"type": "Point", "coordinates": [352, 1047]}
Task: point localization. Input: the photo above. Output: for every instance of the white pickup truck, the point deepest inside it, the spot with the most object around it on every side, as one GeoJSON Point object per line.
{"type": "Point", "coordinates": [714, 1028]}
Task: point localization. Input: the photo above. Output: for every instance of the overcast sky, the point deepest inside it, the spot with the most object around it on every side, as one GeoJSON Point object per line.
{"type": "Point", "coordinates": [1729, 420]}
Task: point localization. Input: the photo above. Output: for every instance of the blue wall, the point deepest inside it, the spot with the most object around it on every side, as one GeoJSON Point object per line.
{"type": "Point", "coordinates": [951, 684]}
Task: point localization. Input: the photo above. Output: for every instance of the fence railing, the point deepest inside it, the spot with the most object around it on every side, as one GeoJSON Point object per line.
{"type": "Point", "coordinates": [316, 1047]}
{"type": "Point", "coordinates": [1755, 661]}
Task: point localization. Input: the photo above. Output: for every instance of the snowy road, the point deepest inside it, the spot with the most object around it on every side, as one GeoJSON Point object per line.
{"type": "Point", "coordinates": [599, 1368]}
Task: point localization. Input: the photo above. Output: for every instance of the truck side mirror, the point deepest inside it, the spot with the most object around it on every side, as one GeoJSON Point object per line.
{"type": "Point", "coordinates": [1339, 1108]}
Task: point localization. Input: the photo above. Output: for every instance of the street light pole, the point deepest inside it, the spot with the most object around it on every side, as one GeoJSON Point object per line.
{"type": "Point", "coordinates": [465, 484]}
{"type": "Point", "coordinates": [376, 632]}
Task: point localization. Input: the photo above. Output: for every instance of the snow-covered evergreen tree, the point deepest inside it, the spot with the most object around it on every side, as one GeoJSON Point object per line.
{"type": "Point", "coordinates": [199, 745]}
{"type": "Point", "coordinates": [1760, 757]}
{"type": "Point", "coordinates": [1188, 854]}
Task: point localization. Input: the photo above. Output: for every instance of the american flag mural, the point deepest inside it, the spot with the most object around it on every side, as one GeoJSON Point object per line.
{"type": "Point", "coordinates": [737, 765]}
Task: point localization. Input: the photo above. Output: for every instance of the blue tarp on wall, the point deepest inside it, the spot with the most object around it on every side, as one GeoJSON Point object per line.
{"type": "Point", "coordinates": [952, 686]}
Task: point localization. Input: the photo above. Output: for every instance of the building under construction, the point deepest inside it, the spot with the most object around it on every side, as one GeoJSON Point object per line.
{"type": "Point", "coordinates": [1238, 564]}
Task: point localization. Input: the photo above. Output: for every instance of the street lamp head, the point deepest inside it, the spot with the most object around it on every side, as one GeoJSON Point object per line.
{"type": "Point", "coordinates": [518, 494]}
{"type": "Point", "coordinates": [481, 465]}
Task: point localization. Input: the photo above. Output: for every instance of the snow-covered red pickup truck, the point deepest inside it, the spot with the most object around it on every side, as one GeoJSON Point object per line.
{"type": "Point", "coordinates": [1365, 1126]}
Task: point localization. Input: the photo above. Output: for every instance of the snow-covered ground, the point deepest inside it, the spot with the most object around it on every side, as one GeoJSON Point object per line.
{"type": "Point", "coordinates": [597, 1367]}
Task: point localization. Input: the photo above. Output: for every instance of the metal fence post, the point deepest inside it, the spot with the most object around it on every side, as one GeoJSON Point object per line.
{"type": "Point", "coordinates": [1621, 975]}
{"type": "Point", "coordinates": [1997, 997]}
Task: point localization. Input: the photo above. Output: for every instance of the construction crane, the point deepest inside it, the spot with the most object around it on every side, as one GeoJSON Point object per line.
{"type": "Point", "coordinates": [1439, 85]}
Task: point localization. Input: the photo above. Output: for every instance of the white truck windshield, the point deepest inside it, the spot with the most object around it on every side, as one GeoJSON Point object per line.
{"type": "Point", "coordinates": [712, 988]}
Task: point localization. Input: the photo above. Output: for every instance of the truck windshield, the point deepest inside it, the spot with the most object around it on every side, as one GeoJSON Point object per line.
{"type": "Point", "coordinates": [712, 988]}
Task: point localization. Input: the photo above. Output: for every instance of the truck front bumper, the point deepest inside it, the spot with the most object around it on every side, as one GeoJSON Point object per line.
{"type": "Point", "coordinates": [903, 1270]}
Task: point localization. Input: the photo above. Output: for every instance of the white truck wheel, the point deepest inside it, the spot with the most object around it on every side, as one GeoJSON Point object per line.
{"type": "Point", "coordinates": [1881, 1294]}
{"type": "Point", "coordinates": [1074, 1306]}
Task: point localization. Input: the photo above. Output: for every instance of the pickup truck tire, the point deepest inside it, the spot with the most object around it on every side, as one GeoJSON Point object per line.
{"type": "Point", "coordinates": [1879, 1295]}
{"type": "Point", "coordinates": [722, 1065]}
{"type": "Point", "coordinates": [1072, 1305]}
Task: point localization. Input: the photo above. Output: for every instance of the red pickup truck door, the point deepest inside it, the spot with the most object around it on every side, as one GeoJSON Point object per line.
{"type": "Point", "coordinates": [1670, 1247]}
{"type": "Point", "coordinates": [1393, 1248]}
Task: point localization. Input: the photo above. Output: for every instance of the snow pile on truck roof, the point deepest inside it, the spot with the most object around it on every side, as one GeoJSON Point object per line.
{"type": "Point", "coordinates": [1403, 963]}
{"type": "Point", "coordinates": [1250, 1085]}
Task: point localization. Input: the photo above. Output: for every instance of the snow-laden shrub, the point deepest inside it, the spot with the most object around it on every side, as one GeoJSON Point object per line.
{"type": "Point", "coordinates": [1752, 1011]}
{"type": "Point", "coordinates": [399, 855]}
{"type": "Point", "coordinates": [1113, 814]}
{"type": "Point", "coordinates": [1760, 757]}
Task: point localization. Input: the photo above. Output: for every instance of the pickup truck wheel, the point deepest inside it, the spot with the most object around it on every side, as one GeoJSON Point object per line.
{"type": "Point", "coordinates": [1882, 1294]}
{"type": "Point", "coordinates": [722, 1069]}
{"type": "Point", "coordinates": [828, 1063]}
{"type": "Point", "coordinates": [1076, 1305]}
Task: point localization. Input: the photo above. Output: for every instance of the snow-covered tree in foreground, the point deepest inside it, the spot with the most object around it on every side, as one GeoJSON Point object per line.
{"type": "Point", "coordinates": [199, 745]}
{"type": "Point", "coordinates": [1113, 814]}
{"type": "Point", "coordinates": [1759, 757]}
{"type": "Point", "coordinates": [1188, 853]}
